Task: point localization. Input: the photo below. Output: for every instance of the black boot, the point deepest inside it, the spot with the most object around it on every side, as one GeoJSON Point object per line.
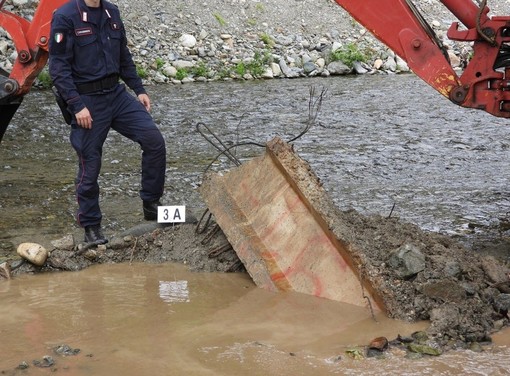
{"type": "Point", "coordinates": [150, 210]}
{"type": "Point", "coordinates": [94, 234]}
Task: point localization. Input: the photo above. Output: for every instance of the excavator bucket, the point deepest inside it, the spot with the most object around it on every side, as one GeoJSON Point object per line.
{"type": "Point", "coordinates": [7, 112]}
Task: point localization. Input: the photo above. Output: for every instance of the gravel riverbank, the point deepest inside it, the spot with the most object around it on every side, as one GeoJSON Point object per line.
{"type": "Point", "coordinates": [178, 42]}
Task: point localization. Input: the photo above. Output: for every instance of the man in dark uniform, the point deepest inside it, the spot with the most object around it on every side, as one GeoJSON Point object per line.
{"type": "Point", "coordinates": [88, 54]}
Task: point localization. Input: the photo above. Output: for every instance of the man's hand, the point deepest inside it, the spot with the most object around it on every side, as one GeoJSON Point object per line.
{"type": "Point", "coordinates": [84, 119]}
{"type": "Point", "coordinates": [144, 99]}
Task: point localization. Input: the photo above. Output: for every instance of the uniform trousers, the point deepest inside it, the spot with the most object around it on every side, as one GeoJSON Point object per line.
{"type": "Point", "coordinates": [122, 112]}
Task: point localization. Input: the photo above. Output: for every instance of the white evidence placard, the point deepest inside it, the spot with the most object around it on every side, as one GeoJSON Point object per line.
{"type": "Point", "coordinates": [172, 214]}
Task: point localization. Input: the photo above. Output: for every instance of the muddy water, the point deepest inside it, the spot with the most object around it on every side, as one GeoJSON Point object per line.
{"type": "Point", "coordinates": [164, 320]}
{"type": "Point", "coordinates": [381, 141]}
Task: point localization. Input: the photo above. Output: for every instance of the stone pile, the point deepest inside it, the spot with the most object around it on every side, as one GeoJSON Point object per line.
{"type": "Point", "coordinates": [179, 42]}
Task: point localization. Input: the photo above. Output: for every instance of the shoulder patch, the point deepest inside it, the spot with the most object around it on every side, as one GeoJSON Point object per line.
{"type": "Point", "coordinates": [58, 42]}
{"type": "Point", "coordinates": [59, 37]}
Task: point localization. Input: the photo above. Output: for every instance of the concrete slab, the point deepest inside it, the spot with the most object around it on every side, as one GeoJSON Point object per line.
{"type": "Point", "coordinates": [275, 212]}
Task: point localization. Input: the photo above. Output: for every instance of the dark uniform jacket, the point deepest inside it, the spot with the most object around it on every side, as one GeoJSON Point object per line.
{"type": "Point", "coordinates": [82, 51]}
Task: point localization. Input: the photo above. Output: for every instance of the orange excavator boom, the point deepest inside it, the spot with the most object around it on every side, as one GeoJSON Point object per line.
{"type": "Point", "coordinates": [484, 83]}
{"type": "Point", "coordinates": [31, 42]}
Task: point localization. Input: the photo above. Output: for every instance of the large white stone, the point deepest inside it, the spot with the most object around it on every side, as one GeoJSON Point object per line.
{"type": "Point", "coordinates": [33, 252]}
{"type": "Point", "coordinates": [187, 40]}
{"type": "Point", "coordinates": [182, 64]}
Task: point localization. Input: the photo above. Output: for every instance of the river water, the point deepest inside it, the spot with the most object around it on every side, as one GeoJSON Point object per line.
{"type": "Point", "coordinates": [380, 141]}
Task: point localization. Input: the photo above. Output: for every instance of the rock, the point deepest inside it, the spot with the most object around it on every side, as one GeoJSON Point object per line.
{"type": "Point", "coordinates": [355, 353]}
{"type": "Point", "coordinates": [436, 23]}
{"type": "Point", "coordinates": [407, 261]}
{"type": "Point", "coordinates": [390, 64]}
{"type": "Point", "coordinates": [452, 269]}
{"type": "Point", "coordinates": [336, 46]}
{"type": "Point", "coordinates": [502, 303]}
{"type": "Point", "coordinates": [182, 64]}
{"type": "Point", "coordinates": [66, 350]}
{"type": "Point", "coordinates": [309, 67]}
{"type": "Point", "coordinates": [419, 337]}
{"type": "Point", "coordinates": [401, 65]}
{"type": "Point", "coordinates": [287, 72]}
{"type": "Point", "coordinates": [475, 347]}
{"type": "Point", "coordinates": [338, 68]}
{"type": "Point", "coordinates": [284, 40]}
{"type": "Point", "coordinates": [268, 73]}
{"type": "Point", "coordinates": [90, 254]}
{"type": "Point", "coordinates": [5, 271]}
{"type": "Point", "coordinates": [277, 72]}
{"type": "Point", "coordinates": [33, 252]}
{"type": "Point", "coordinates": [66, 243]}
{"type": "Point", "coordinates": [414, 355]}
{"type": "Point", "coordinates": [454, 59]}
{"type": "Point", "coordinates": [3, 47]}
{"type": "Point", "coordinates": [23, 365]}
{"type": "Point", "coordinates": [495, 270]}
{"type": "Point", "coordinates": [378, 63]}
{"type": "Point", "coordinates": [203, 34]}
{"type": "Point", "coordinates": [187, 40]}
{"type": "Point", "coordinates": [374, 353]}
{"type": "Point", "coordinates": [445, 291]}
{"type": "Point", "coordinates": [424, 349]}
{"type": "Point", "coordinates": [379, 343]}
{"type": "Point", "coordinates": [359, 69]}
{"type": "Point", "coordinates": [47, 361]}
{"type": "Point", "coordinates": [160, 78]}
{"type": "Point", "coordinates": [169, 70]}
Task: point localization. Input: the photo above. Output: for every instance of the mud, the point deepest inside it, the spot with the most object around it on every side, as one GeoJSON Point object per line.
{"type": "Point", "coordinates": [202, 247]}
{"type": "Point", "coordinates": [419, 275]}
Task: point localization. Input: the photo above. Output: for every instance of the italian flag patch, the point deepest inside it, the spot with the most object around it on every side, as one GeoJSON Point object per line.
{"type": "Point", "coordinates": [59, 37]}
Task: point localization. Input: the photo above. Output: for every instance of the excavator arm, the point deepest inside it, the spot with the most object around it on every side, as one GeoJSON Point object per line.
{"type": "Point", "coordinates": [483, 85]}
{"type": "Point", "coordinates": [31, 43]}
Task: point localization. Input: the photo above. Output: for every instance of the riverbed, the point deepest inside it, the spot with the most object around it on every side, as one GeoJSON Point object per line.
{"type": "Point", "coordinates": [378, 141]}
{"type": "Point", "coordinates": [381, 144]}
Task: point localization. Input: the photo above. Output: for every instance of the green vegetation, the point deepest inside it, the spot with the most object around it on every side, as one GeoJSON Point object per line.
{"type": "Point", "coordinates": [45, 79]}
{"type": "Point", "coordinates": [251, 21]}
{"type": "Point", "coordinates": [241, 69]}
{"type": "Point", "coordinates": [349, 54]}
{"type": "Point", "coordinates": [256, 66]}
{"type": "Point", "coordinates": [259, 7]}
{"type": "Point", "coordinates": [268, 41]}
{"type": "Point", "coordinates": [220, 19]}
{"type": "Point", "coordinates": [159, 63]}
{"type": "Point", "coordinates": [200, 70]}
{"type": "Point", "coordinates": [141, 71]}
{"type": "Point", "coordinates": [224, 73]}
{"type": "Point", "coordinates": [181, 73]}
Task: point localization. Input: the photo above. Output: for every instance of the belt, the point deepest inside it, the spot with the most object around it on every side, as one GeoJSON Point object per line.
{"type": "Point", "coordinates": [104, 84]}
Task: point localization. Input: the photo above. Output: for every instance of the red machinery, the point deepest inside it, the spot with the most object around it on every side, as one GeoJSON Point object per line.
{"type": "Point", "coordinates": [31, 42]}
{"type": "Point", "coordinates": [397, 23]}
{"type": "Point", "coordinates": [483, 84]}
